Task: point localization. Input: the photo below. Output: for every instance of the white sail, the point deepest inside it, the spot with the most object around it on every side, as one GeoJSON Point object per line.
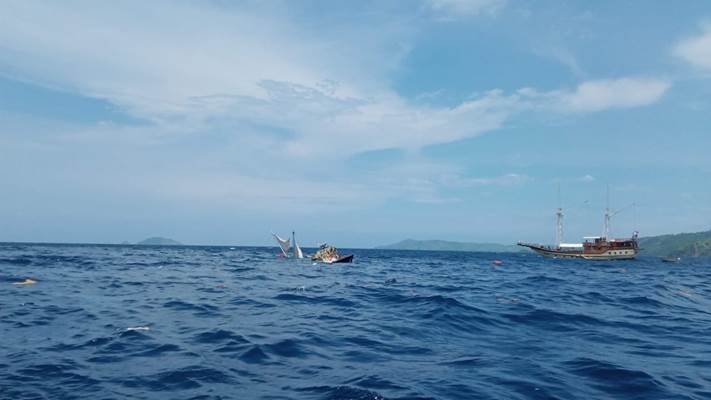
{"type": "Point", "coordinates": [284, 244]}
{"type": "Point", "coordinates": [297, 249]}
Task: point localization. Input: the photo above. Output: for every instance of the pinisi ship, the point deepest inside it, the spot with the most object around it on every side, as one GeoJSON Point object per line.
{"type": "Point", "coordinates": [593, 247]}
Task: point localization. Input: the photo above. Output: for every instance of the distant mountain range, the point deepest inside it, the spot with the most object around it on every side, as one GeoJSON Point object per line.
{"type": "Point", "coordinates": [159, 241]}
{"type": "Point", "coordinates": [444, 245]}
{"type": "Point", "coordinates": [679, 245]}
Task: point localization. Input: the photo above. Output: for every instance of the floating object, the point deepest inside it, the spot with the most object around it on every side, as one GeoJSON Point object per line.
{"type": "Point", "coordinates": [138, 328]}
{"type": "Point", "coordinates": [27, 281]}
{"type": "Point", "coordinates": [671, 259]}
{"type": "Point", "coordinates": [498, 262]}
{"type": "Point", "coordinates": [285, 245]}
{"type": "Point", "coordinates": [329, 254]}
{"type": "Point", "coordinates": [297, 250]}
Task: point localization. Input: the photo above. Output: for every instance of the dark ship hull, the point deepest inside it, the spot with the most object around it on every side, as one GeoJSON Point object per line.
{"type": "Point", "coordinates": [596, 248]}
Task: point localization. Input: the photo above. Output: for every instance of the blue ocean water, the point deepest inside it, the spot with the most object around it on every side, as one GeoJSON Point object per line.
{"type": "Point", "coordinates": [115, 322]}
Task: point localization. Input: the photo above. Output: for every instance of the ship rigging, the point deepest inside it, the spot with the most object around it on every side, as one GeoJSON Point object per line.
{"type": "Point", "coordinates": [602, 247]}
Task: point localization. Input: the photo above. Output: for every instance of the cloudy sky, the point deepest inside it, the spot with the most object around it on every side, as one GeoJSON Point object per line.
{"type": "Point", "coordinates": [359, 123]}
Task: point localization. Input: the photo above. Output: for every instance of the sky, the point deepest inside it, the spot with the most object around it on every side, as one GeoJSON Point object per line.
{"type": "Point", "coordinates": [355, 123]}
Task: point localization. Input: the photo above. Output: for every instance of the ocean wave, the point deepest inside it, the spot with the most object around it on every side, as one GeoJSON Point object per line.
{"type": "Point", "coordinates": [616, 380]}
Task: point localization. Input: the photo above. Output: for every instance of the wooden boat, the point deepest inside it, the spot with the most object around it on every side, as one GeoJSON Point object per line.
{"type": "Point", "coordinates": [344, 259]}
{"type": "Point", "coordinates": [602, 247]}
{"type": "Point", "coordinates": [594, 248]}
{"type": "Point", "coordinates": [329, 255]}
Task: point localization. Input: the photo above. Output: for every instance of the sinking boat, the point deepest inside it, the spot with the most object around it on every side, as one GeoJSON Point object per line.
{"type": "Point", "coordinates": [285, 245]}
{"type": "Point", "coordinates": [344, 259]}
{"type": "Point", "coordinates": [329, 254]}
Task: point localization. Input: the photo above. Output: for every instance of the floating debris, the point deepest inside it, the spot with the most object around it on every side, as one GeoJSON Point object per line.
{"type": "Point", "coordinates": [27, 281]}
{"type": "Point", "coordinates": [138, 328]}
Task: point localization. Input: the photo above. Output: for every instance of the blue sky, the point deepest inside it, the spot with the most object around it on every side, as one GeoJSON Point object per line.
{"type": "Point", "coordinates": [358, 123]}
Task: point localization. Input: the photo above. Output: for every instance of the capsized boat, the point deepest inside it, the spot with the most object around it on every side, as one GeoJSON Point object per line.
{"type": "Point", "coordinates": [344, 259]}
{"type": "Point", "coordinates": [329, 254]}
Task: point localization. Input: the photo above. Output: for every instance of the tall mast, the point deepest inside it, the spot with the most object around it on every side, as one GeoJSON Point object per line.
{"type": "Point", "coordinates": [559, 222]}
{"type": "Point", "coordinates": [606, 229]}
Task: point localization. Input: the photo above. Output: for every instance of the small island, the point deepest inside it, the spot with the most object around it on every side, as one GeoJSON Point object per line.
{"type": "Point", "coordinates": [159, 241]}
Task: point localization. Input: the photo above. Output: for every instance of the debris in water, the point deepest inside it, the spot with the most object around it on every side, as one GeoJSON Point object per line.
{"type": "Point", "coordinates": [138, 328]}
{"type": "Point", "coordinates": [27, 281]}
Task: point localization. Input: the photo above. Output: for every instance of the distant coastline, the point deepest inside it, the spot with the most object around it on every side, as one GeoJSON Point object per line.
{"type": "Point", "coordinates": [697, 244]}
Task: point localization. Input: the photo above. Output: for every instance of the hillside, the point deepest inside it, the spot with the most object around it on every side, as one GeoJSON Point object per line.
{"type": "Point", "coordinates": [443, 245]}
{"type": "Point", "coordinates": [679, 245]}
{"type": "Point", "coordinates": [159, 241]}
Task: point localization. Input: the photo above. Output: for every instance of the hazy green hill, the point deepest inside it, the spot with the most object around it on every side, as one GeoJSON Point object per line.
{"type": "Point", "coordinates": [679, 245]}
{"type": "Point", "coordinates": [443, 245]}
{"type": "Point", "coordinates": [159, 241]}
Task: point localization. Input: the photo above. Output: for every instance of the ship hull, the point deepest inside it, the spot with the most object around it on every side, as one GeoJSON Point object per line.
{"type": "Point", "coordinates": [611, 254]}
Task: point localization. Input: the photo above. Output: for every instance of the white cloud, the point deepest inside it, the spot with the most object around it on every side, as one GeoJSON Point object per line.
{"type": "Point", "coordinates": [599, 95]}
{"type": "Point", "coordinates": [183, 65]}
{"type": "Point", "coordinates": [197, 67]}
{"type": "Point", "coordinates": [154, 62]}
{"type": "Point", "coordinates": [287, 102]}
{"type": "Point", "coordinates": [696, 50]}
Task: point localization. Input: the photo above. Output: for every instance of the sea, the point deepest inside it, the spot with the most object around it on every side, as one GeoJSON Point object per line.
{"type": "Point", "coordinates": [186, 322]}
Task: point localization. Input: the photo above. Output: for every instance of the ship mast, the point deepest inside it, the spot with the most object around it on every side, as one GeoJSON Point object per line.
{"type": "Point", "coordinates": [608, 215]}
{"type": "Point", "coordinates": [559, 222]}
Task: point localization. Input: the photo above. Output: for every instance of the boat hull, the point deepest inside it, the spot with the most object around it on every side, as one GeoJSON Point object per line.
{"type": "Point", "coordinates": [611, 254]}
{"type": "Point", "coordinates": [344, 259]}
